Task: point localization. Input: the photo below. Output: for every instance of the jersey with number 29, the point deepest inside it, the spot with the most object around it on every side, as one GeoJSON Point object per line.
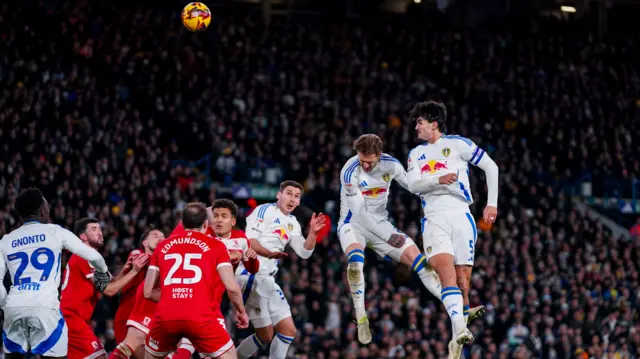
{"type": "Point", "coordinates": [190, 286]}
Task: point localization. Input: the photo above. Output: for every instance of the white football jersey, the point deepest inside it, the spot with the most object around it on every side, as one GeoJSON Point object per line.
{"type": "Point", "coordinates": [274, 230]}
{"type": "Point", "coordinates": [33, 255]}
{"type": "Point", "coordinates": [374, 185]}
{"type": "Point", "coordinates": [449, 154]}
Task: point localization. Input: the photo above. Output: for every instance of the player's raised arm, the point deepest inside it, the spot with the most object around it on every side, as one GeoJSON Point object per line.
{"type": "Point", "coordinates": [304, 247]}
{"type": "Point", "coordinates": [73, 244]}
{"type": "Point", "coordinates": [416, 183]}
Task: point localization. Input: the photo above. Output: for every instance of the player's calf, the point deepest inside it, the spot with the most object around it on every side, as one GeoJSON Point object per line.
{"type": "Point", "coordinates": [418, 262]}
{"type": "Point", "coordinates": [285, 334]}
{"type": "Point", "coordinates": [259, 340]}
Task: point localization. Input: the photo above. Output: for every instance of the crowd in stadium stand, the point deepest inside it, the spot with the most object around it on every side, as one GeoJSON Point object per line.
{"type": "Point", "coordinates": [95, 104]}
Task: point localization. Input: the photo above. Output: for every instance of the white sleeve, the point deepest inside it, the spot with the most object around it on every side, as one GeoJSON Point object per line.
{"type": "Point", "coordinates": [416, 183]}
{"type": "Point", "coordinates": [255, 221]}
{"type": "Point", "coordinates": [356, 204]}
{"type": "Point", "coordinates": [477, 157]}
{"type": "Point", "coordinates": [401, 176]}
{"type": "Point", "coordinates": [74, 245]}
{"type": "Point", "coordinates": [297, 243]}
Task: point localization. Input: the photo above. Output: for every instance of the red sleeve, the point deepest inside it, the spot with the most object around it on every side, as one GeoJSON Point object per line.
{"type": "Point", "coordinates": [82, 266]}
{"type": "Point", "coordinates": [153, 261]}
{"type": "Point", "coordinates": [252, 265]}
{"type": "Point", "coordinates": [221, 255]}
{"type": "Point", "coordinates": [178, 230]}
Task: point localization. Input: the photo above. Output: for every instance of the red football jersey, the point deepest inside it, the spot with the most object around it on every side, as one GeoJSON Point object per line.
{"type": "Point", "coordinates": [189, 278]}
{"type": "Point", "coordinates": [128, 292]}
{"type": "Point", "coordinates": [237, 241]}
{"type": "Point", "coordinates": [180, 230]}
{"type": "Point", "coordinates": [79, 294]}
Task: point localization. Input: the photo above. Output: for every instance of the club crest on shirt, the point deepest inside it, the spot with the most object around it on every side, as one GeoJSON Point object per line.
{"type": "Point", "coordinates": [386, 177]}
{"type": "Point", "coordinates": [446, 151]}
{"type": "Point", "coordinates": [290, 226]}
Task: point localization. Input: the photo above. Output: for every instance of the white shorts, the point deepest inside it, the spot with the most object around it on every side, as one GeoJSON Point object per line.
{"type": "Point", "coordinates": [350, 233]}
{"type": "Point", "coordinates": [453, 233]}
{"type": "Point", "coordinates": [263, 299]}
{"type": "Point", "coordinates": [37, 330]}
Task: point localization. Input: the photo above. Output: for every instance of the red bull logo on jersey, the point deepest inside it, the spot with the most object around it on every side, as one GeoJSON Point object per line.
{"type": "Point", "coordinates": [374, 192]}
{"type": "Point", "coordinates": [433, 166]}
{"type": "Point", "coordinates": [282, 234]}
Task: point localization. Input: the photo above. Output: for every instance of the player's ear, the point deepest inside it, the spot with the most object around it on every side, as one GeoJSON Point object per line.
{"type": "Point", "coordinates": [233, 221]}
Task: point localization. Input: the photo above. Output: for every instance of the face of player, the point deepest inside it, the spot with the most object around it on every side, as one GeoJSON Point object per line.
{"type": "Point", "coordinates": [427, 131]}
{"type": "Point", "coordinates": [151, 242]}
{"type": "Point", "coordinates": [368, 162]}
{"type": "Point", "coordinates": [289, 199]}
{"type": "Point", "coordinates": [93, 235]}
{"type": "Point", "coordinates": [223, 221]}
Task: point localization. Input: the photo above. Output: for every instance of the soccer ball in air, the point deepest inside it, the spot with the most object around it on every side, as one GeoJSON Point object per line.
{"type": "Point", "coordinates": [196, 16]}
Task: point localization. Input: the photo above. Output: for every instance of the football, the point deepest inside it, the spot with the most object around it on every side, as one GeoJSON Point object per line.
{"type": "Point", "coordinates": [196, 16]}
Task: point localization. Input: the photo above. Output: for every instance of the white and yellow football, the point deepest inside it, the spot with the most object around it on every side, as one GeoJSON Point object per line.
{"type": "Point", "coordinates": [196, 16]}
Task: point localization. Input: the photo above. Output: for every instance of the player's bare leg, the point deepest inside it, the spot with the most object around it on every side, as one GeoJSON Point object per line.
{"type": "Point", "coordinates": [417, 261]}
{"type": "Point", "coordinates": [463, 273]}
{"type": "Point", "coordinates": [131, 346]}
{"type": "Point", "coordinates": [259, 340]}
{"type": "Point", "coordinates": [355, 276]}
{"type": "Point", "coordinates": [452, 296]}
{"type": "Point", "coordinates": [229, 354]}
{"type": "Point", "coordinates": [285, 334]}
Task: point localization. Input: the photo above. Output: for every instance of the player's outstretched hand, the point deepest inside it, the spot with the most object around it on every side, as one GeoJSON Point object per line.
{"type": "Point", "coordinates": [449, 178]}
{"type": "Point", "coordinates": [317, 222]}
{"type": "Point", "coordinates": [242, 320]}
{"type": "Point", "coordinates": [140, 262]}
{"type": "Point", "coordinates": [490, 214]}
{"type": "Point", "coordinates": [277, 255]}
{"type": "Point", "coordinates": [251, 254]}
{"type": "Point", "coordinates": [397, 240]}
{"type": "Point", "coordinates": [101, 280]}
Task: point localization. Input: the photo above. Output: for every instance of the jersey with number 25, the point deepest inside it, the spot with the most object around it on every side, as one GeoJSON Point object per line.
{"type": "Point", "coordinates": [190, 287]}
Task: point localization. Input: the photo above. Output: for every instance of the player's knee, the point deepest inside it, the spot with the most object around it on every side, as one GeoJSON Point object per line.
{"type": "Point", "coordinates": [355, 263]}
{"type": "Point", "coordinates": [264, 336]}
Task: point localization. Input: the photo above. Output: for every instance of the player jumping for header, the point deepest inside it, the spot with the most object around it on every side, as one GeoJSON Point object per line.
{"type": "Point", "coordinates": [439, 171]}
{"type": "Point", "coordinates": [366, 181]}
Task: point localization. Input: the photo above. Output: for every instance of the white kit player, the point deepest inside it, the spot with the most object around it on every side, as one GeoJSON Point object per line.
{"type": "Point", "coordinates": [439, 171]}
{"type": "Point", "coordinates": [271, 227]}
{"type": "Point", "coordinates": [366, 181]}
{"type": "Point", "coordinates": [33, 254]}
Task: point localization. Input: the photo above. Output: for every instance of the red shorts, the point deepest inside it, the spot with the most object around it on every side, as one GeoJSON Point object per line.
{"type": "Point", "coordinates": [209, 338]}
{"type": "Point", "coordinates": [142, 314]}
{"type": "Point", "coordinates": [82, 342]}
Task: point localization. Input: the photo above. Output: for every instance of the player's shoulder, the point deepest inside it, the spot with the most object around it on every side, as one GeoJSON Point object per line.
{"type": "Point", "coordinates": [75, 261]}
{"type": "Point", "coordinates": [264, 209]}
{"type": "Point", "coordinates": [238, 234]}
{"type": "Point", "coordinates": [350, 166]}
{"type": "Point", "coordinates": [457, 140]}
{"type": "Point", "coordinates": [388, 160]}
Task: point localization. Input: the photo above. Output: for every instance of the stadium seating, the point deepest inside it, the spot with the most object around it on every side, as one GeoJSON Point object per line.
{"type": "Point", "coordinates": [98, 104]}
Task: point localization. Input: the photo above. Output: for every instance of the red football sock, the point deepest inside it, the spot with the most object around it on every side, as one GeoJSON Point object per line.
{"type": "Point", "coordinates": [122, 351]}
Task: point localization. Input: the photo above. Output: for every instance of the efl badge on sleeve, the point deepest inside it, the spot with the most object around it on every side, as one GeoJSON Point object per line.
{"type": "Point", "coordinates": [386, 177]}
{"type": "Point", "coordinates": [446, 151]}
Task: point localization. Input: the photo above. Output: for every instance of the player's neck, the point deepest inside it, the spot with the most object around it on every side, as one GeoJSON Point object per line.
{"type": "Point", "coordinates": [281, 210]}
{"type": "Point", "coordinates": [438, 135]}
{"type": "Point", "coordinates": [224, 235]}
{"type": "Point", "coordinates": [32, 220]}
